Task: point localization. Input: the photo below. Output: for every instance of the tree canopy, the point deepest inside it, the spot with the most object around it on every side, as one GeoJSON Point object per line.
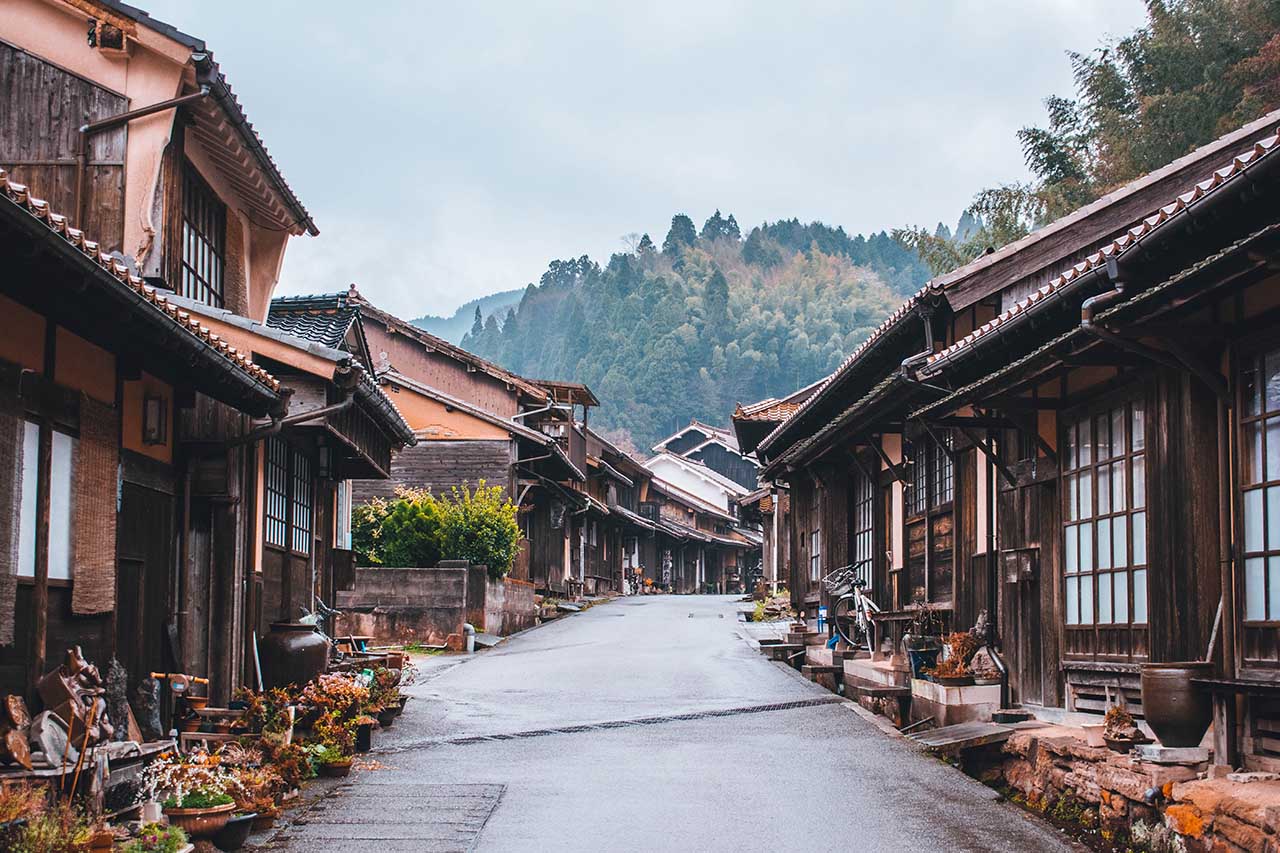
{"type": "Point", "coordinates": [710, 321]}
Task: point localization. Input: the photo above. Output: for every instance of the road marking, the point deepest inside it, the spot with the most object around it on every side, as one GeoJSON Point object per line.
{"type": "Point", "coordinates": [467, 740]}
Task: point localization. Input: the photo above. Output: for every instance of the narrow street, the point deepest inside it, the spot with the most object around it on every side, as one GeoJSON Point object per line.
{"type": "Point", "coordinates": [647, 723]}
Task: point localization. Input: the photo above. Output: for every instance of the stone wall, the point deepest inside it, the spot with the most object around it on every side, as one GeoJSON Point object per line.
{"type": "Point", "coordinates": [404, 605]}
{"type": "Point", "coordinates": [1054, 771]}
{"type": "Point", "coordinates": [509, 606]}
{"type": "Point", "coordinates": [428, 605]}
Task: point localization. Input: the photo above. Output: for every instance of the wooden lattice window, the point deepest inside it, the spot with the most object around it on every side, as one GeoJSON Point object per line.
{"type": "Point", "coordinates": [276, 506]}
{"type": "Point", "coordinates": [1105, 517]}
{"type": "Point", "coordinates": [204, 239]}
{"type": "Point", "coordinates": [1260, 480]}
{"type": "Point", "coordinates": [932, 476]}
{"type": "Point", "coordinates": [864, 515]}
{"type": "Point", "coordinates": [300, 501]}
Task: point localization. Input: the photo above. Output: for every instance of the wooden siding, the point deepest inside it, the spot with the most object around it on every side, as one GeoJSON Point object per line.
{"type": "Point", "coordinates": [438, 370]}
{"type": "Point", "coordinates": [42, 108]}
{"type": "Point", "coordinates": [440, 465]}
{"type": "Point", "coordinates": [732, 465]}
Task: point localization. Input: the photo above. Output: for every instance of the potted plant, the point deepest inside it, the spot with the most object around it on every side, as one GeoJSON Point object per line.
{"type": "Point", "coordinates": [331, 761]}
{"type": "Point", "coordinates": [1120, 732]}
{"type": "Point", "coordinates": [235, 834]}
{"type": "Point", "coordinates": [921, 640]}
{"type": "Point", "coordinates": [193, 790]}
{"type": "Point", "coordinates": [59, 829]}
{"type": "Point", "coordinates": [954, 670]}
{"type": "Point", "coordinates": [364, 733]}
{"type": "Point", "coordinates": [157, 838]}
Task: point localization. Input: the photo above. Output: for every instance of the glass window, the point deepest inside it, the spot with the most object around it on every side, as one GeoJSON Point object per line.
{"type": "Point", "coordinates": [815, 556]}
{"type": "Point", "coordinates": [863, 526]}
{"type": "Point", "coordinates": [1260, 479]}
{"type": "Point", "coordinates": [932, 477]}
{"type": "Point", "coordinates": [1105, 532]}
{"type": "Point", "coordinates": [204, 228]}
{"type": "Point", "coordinates": [60, 503]}
{"type": "Point", "coordinates": [301, 503]}
{"type": "Point", "coordinates": [276, 503]}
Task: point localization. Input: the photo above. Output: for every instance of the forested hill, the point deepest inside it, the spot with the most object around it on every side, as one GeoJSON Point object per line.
{"type": "Point", "coordinates": [454, 328]}
{"type": "Point", "coordinates": [706, 320]}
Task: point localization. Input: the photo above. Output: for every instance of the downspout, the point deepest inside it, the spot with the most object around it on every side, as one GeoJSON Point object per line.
{"type": "Point", "coordinates": [345, 377]}
{"type": "Point", "coordinates": [93, 127]}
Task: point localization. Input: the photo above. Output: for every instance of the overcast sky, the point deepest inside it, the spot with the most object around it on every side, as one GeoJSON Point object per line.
{"type": "Point", "coordinates": [449, 150]}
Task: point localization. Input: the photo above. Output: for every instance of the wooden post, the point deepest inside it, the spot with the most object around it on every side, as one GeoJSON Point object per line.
{"type": "Point", "coordinates": [40, 598]}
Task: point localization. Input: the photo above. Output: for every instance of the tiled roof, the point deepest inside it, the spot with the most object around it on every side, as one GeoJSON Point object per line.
{"type": "Point", "coordinates": [770, 411]}
{"type": "Point", "coordinates": [39, 209]}
{"type": "Point", "coordinates": [437, 344]}
{"type": "Point", "coordinates": [325, 319]}
{"type": "Point", "coordinates": [1127, 241]}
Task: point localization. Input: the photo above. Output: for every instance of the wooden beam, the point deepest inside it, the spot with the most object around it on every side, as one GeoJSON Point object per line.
{"type": "Point", "coordinates": [1030, 404]}
{"type": "Point", "coordinates": [893, 469]}
{"type": "Point", "coordinates": [982, 422]}
{"type": "Point", "coordinates": [40, 597]}
{"type": "Point", "coordinates": [988, 451]}
{"type": "Point", "coordinates": [1029, 427]}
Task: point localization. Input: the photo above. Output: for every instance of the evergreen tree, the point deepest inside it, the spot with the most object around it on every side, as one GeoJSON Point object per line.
{"type": "Point", "coordinates": [478, 326]}
{"type": "Point", "coordinates": [645, 246]}
{"type": "Point", "coordinates": [681, 234]}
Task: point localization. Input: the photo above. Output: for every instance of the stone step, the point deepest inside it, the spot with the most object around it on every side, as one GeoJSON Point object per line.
{"type": "Point", "coordinates": [1011, 715]}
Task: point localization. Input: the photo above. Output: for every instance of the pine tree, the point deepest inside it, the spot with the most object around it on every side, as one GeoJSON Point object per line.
{"type": "Point", "coordinates": [477, 328]}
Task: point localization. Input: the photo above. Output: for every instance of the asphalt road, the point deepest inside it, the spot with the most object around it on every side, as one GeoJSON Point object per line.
{"type": "Point", "coordinates": [648, 724]}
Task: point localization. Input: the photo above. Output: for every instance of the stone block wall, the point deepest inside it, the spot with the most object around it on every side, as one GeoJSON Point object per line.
{"type": "Point", "coordinates": [404, 605]}
{"type": "Point", "coordinates": [1053, 770]}
{"type": "Point", "coordinates": [509, 606]}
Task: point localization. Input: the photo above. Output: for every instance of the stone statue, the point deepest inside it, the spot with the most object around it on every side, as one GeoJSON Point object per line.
{"type": "Point", "coordinates": [146, 707]}
{"type": "Point", "coordinates": [118, 698]}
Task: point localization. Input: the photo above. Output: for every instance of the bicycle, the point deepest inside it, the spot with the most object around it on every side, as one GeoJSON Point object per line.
{"type": "Point", "coordinates": [853, 614]}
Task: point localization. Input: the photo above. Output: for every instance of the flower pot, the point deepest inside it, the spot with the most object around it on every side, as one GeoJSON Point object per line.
{"type": "Point", "coordinates": [986, 682]}
{"type": "Point", "coordinates": [1117, 744]}
{"type": "Point", "coordinates": [921, 660]}
{"type": "Point", "coordinates": [953, 680]}
{"type": "Point", "coordinates": [364, 737]}
{"type": "Point", "coordinates": [264, 821]}
{"type": "Point", "coordinates": [200, 823]}
{"type": "Point", "coordinates": [234, 835]}
{"type": "Point", "coordinates": [404, 700]}
{"type": "Point", "coordinates": [387, 716]}
{"type": "Point", "coordinates": [1093, 734]}
{"type": "Point", "coordinates": [336, 770]}
{"type": "Point", "coordinates": [292, 653]}
{"type": "Point", "coordinates": [1178, 712]}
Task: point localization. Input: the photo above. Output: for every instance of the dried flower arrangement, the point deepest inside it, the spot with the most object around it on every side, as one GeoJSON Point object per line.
{"type": "Point", "coordinates": [193, 781]}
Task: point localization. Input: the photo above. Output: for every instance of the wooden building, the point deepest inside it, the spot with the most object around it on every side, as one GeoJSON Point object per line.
{"type": "Point", "coordinates": [213, 447]}
{"type": "Point", "coordinates": [1071, 433]}
{"type": "Point", "coordinates": [715, 448]}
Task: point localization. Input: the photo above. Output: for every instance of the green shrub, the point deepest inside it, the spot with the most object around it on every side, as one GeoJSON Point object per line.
{"type": "Point", "coordinates": [415, 528]}
{"type": "Point", "coordinates": [410, 535]}
{"type": "Point", "coordinates": [480, 526]}
{"type": "Point", "coordinates": [157, 838]}
{"type": "Point", "coordinates": [366, 531]}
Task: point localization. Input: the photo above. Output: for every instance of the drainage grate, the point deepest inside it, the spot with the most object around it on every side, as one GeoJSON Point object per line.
{"type": "Point", "coordinates": [617, 724]}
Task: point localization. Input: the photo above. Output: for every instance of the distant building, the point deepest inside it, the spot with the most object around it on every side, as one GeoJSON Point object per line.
{"type": "Point", "coordinates": [715, 448]}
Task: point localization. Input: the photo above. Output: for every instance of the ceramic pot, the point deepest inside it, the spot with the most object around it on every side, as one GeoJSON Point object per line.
{"type": "Point", "coordinates": [292, 654]}
{"type": "Point", "coordinates": [387, 716]}
{"type": "Point", "coordinates": [336, 770]}
{"type": "Point", "coordinates": [234, 835]}
{"type": "Point", "coordinates": [263, 822]}
{"type": "Point", "coordinates": [954, 680]}
{"type": "Point", "coordinates": [364, 737]}
{"type": "Point", "coordinates": [1178, 712]}
{"type": "Point", "coordinates": [200, 823]}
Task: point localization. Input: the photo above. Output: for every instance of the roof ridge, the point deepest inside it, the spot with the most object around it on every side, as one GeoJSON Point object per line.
{"type": "Point", "coordinates": [38, 208]}
{"type": "Point", "coordinates": [1122, 244]}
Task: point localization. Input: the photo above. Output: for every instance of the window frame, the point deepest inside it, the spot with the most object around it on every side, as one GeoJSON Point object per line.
{"type": "Point", "coordinates": [203, 234]}
{"type": "Point", "coordinates": [288, 498]}
{"type": "Point", "coordinates": [1095, 515]}
{"type": "Point", "coordinates": [60, 571]}
{"type": "Point", "coordinates": [1266, 486]}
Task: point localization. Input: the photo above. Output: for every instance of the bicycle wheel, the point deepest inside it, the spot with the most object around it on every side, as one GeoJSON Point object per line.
{"type": "Point", "coordinates": [845, 620]}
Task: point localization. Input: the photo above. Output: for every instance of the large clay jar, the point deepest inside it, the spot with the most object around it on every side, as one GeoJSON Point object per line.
{"type": "Point", "coordinates": [292, 653]}
{"type": "Point", "coordinates": [1177, 711]}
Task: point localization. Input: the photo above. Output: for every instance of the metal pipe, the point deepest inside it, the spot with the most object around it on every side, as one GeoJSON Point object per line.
{"type": "Point", "coordinates": [87, 130]}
